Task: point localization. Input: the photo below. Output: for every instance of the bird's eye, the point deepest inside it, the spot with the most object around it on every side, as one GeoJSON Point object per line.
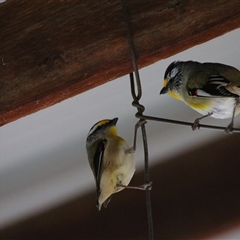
{"type": "Point", "coordinates": [177, 84]}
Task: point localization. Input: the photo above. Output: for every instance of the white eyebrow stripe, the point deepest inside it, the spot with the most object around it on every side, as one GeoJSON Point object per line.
{"type": "Point", "coordinates": [93, 129]}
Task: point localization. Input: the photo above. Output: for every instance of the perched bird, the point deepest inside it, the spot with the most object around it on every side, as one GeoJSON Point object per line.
{"type": "Point", "coordinates": [111, 160]}
{"type": "Point", "coordinates": [212, 89]}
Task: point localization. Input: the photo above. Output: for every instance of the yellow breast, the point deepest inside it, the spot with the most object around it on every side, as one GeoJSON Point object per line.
{"type": "Point", "coordinates": [199, 104]}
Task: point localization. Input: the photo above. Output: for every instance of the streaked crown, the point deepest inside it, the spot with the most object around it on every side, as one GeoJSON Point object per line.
{"type": "Point", "coordinates": [172, 77]}
{"type": "Point", "coordinates": [173, 70]}
{"type": "Point", "coordinates": [102, 127]}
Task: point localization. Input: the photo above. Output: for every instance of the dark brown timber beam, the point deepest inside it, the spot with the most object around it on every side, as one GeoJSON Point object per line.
{"type": "Point", "coordinates": [53, 50]}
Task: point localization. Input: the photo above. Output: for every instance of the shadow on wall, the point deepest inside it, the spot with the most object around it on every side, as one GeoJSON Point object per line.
{"type": "Point", "coordinates": [194, 195]}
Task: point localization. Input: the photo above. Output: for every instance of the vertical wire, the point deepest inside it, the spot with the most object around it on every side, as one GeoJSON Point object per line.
{"type": "Point", "coordinates": [132, 51]}
{"type": "Point", "coordinates": [136, 98]}
{"type": "Point", "coordinates": [147, 180]}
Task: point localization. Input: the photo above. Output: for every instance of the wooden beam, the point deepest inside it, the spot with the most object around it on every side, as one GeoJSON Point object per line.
{"type": "Point", "coordinates": [53, 50]}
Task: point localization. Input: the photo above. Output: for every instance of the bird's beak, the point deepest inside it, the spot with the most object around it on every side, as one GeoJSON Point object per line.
{"type": "Point", "coordinates": [113, 121]}
{"type": "Point", "coordinates": [165, 87]}
{"type": "Point", "coordinates": [164, 90]}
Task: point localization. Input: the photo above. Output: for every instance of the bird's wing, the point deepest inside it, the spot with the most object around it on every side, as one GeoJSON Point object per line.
{"type": "Point", "coordinates": [228, 72]}
{"type": "Point", "coordinates": [213, 85]}
{"type": "Point", "coordinates": [98, 161]}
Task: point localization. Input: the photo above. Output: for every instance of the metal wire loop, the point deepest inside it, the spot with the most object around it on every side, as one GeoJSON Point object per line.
{"type": "Point", "coordinates": [136, 97]}
{"type": "Point", "coordinates": [132, 52]}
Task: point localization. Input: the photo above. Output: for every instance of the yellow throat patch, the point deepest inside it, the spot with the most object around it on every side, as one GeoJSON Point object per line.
{"type": "Point", "coordinates": [175, 95]}
{"type": "Point", "coordinates": [113, 130]}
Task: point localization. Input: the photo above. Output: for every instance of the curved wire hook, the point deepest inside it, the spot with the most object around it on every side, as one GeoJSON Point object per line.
{"type": "Point", "coordinates": [136, 97]}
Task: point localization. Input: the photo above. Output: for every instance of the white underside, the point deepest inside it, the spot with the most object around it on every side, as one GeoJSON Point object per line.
{"type": "Point", "coordinates": [220, 108]}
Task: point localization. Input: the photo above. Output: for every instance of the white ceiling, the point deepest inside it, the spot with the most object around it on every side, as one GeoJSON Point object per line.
{"type": "Point", "coordinates": [42, 156]}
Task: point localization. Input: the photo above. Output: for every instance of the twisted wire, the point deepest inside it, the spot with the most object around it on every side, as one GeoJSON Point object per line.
{"type": "Point", "coordinates": [136, 97]}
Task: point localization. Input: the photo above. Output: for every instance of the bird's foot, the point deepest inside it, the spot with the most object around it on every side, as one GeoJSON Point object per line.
{"type": "Point", "coordinates": [138, 124]}
{"type": "Point", "coordinates": [229, 129]}
{"type": "Point", "coordinates": [146, 186]}
{"type": "Point", "coordinates": [195, 124]}
{"type": "Point", "coordinates": [130, 150]}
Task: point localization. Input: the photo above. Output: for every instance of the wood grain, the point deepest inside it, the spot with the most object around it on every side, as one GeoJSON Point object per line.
{"type": "Point", "coordinates": [53, 50]}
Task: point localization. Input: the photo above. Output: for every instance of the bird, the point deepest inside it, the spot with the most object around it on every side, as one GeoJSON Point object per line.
{"type": "Point", "coordinates": [212, 89]}
{"type": "Point", "coordinates": [111, 160]}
